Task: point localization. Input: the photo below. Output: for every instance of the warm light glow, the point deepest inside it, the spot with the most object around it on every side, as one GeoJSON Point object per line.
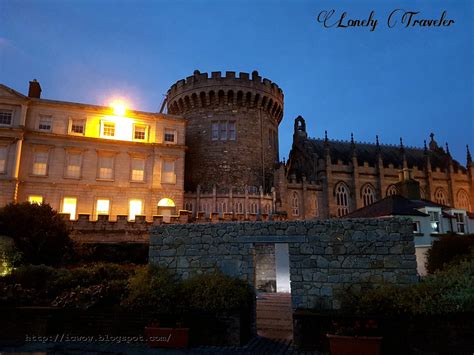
{"type": "Point", "coordinates": [166, 202]}
{"type": "Point", "coordinates": [103, 207]}
{"type": "Point", "coordinates": [69, 206]}
{"type": "Point", "coordinates": [118, 107]}
{"type": "Point", "coordinates": [135, 209]}
{"type": "Point", "coordinates": [35, 199]}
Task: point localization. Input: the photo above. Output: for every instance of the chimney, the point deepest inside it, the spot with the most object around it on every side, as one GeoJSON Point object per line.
{"type": "Point", "coordinates": [407, 186]}
{"type": "Point", "coordinates": [35, 89]}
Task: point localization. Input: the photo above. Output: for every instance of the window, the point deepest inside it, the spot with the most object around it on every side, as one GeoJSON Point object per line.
{"type": "Point", "coordinates": [170, 136]}
{"type": "Point", "coordinates": [342, 199]}
{"type": "Point", "coordinates": [460, 222]}
{"type": "Point", "coordinates": [434, 221]}
{"type": "Point", "coordinates": [222, 207]}
{"type": "Point", "coordinates": [35, 200]}
{"type": "Point", "coordinates": [40, 163]}
{"type": "Point", "coordinates": [77, 127]}
{"type": "Point", "coordinates": [188, 206]}
{"type": "Point", "coordinates": [440, 197]}
{"type": "Point", "coordinates": [168, 175]}
{"type": "Point", "coordinates": [135, 209]}
{"type": "Point", "coordinates": [106, 167]}
{"type": "Point", "coordinates": [223, 130]}
{"type": "Point", "coordinates": [69, 206]}
{"type": "Point", "coordinates": [463, 200]}
{"type": "Point", "coordinates": [391, 190]}
{"type": "Point", "coordinates": [368, 195]}
{"type": "Point", "coordinates": [295, 204]}
{"type": "Point", "coordinates": [44, 123]}
{"type": "Point", "coordinates": [108, 129]}
{"type": "Point", "coordinates": [253, 207]}
{"type": "Point", "coordinates": [140, 132]}
{"type": "Point", "coordinates": [416, 227]}
{"type": "Point", "coordinates": [239, 207]}
{"type": "Point", "coordinates": [3, 159]}
{"type": "Point", "coordinates": [232, 133]}
{"type": "Point", "coordinates": [215, 131]}
{"type": "Point", "coordinates": [138, 169]}
{"type": "Point", "coordinates": [6, 117]}
{"type": "Point", "coordinates": [73, 167]}
{"type": "Point", "coordinates": [103, 207]}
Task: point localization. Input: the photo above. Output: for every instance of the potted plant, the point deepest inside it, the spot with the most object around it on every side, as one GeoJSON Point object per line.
{"type": "Point", "coordinates": [355, 338]}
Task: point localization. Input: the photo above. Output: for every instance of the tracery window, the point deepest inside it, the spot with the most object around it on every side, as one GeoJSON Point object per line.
{"type": "Point", "coordinates": [342, 199]}
{"type": "Point", "coordinates": [391, 190]}
{"type": "Point", "coordinates": [441, 197]}
{"type": "Point", "coordinates": [368, 194]}
{"type": "Point", "coordinates": [464, 200]}
{"type": "Point", "coordinates": [295, 204]}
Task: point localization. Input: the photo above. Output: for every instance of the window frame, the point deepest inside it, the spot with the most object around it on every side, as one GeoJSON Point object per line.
{"type": "Point", "coordinates": [45, 117]}
{"type": "Point", "coordinates": [146, 129]}
{"type": "Point", "coordinates": [432, 212]}
{"type": "Point", "coordinates": [5, 149]}
{"type": "Point", "coordinates": [5, 110]}
{"type": "Point", "coordinates": [102, 156]}
{"type": "Point", "coordinates": [67, 161]}
{"type": "Point", "coordinates": [142, 208]}
{"type": "Point", "coordinates": [103, 123]}
{"type": "Point", "coordinates": [71, 124]}
{"type": "Point", "coordinates": [71, 216]}
{"type": "Point", "coordinates": [38, 151]}
{"type": "Point", "coordinates": [169, 131]}
{"type": "Point", "coordinates": [32, 198]}
{"type": "Point", "coordinates": [163, 171]}
{"type": "Point", "coordinates": [132, 158]}
{"type": "Point", "coordinates": [96, 206]}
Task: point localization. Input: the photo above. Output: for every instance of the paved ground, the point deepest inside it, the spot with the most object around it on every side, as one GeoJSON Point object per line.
{"type": "Point", "coordinates": [274, 328]}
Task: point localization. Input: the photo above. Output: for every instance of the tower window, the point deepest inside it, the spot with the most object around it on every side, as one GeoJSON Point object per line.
{"type": "Point", "coordinates": [223, 130]}
{"type": "Point", "coordinates": [215, 131]}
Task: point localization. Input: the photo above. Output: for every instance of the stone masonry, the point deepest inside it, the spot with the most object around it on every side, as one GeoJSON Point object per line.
{"type": "Point", "coordinates": [326, 256]}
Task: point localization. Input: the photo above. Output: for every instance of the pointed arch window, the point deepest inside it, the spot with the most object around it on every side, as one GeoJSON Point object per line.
{"type": "Point", "coordinates": [464, 200]}
{"type": "Point", "coordinates": [368, 194]}
{"type": "Point", "coordinates": [296, 204]}
{"type": "Point", "coordinates": [342, 199]}
{"type": "Point", "coordinates": [441, 197]}
{"type": "Point", "coordinates": [391, 190]}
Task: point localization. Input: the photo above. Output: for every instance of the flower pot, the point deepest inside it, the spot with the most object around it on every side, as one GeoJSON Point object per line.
{"type": "Point", "coordinates": [158, 337]}
{"type": "Point", "coordinates": [354, 345]}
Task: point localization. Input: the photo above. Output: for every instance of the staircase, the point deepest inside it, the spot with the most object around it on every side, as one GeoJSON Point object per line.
{"type": "Point", "coordinates": [274, 316]}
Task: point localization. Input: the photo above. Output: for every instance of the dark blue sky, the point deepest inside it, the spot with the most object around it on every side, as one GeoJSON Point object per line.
{"type": "Point", "coordinates": [392, 82]}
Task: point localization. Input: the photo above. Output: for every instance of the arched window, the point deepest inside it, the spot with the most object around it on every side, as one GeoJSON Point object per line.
{"type": "Point", "coordinates": [391, 190]}
{"type": "Point", "coordinates": [342, 199]}
{"type": "Point", "coordinates": [296, 204]}
{"type": "Point", "coordinates": [239, 207]}
{"type": "Point", "coordinates": [368, 194]}
{"type": "Point", "coordinates": [253, 207]}
{"type": "Point", "coordinates": [316, 207]}
{"type": "Point", "coordinates": [441, 197]}
{"type": "Point", "coordinates": [422, 193]}
{"type": "Point", "coordinates": [464, 200]}
{"type": "Point", "coordinates": [188, 206]}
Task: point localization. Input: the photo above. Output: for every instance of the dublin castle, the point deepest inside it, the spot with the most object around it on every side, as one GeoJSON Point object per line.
{"type": "Point", "coordinates": [214, 154]}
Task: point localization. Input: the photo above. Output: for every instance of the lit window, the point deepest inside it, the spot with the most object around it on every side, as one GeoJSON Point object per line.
{"type": "Point", "coordinates": [223, 130]}
{"type": "Point", "coordinates": [103, 207]}
{"type": "Point", "coordinates": [77, 127]}
{"type": "Point", "coordinates": [69, 206]}
{"type": "Point", "coordinates": [460, 222]}
{"type": "Point", "coordinates": [73, 168]}
{"type": "Point", "coordinates": [35, 200]}
{"type": "Point", "coordinates": [139, 132]}
{"type": "Point", "coordinates": [168, 175]}
{"type": "Point", "coordinates": [108, 129]}
{"type": "Point", "coordinates": [45, 123]}
{"type": "Point", "coordinates": [215, 131]}
{"type": "Point", "coordinates": [40, 164]}
{"type": "Point", "coordinates": [231, 128]}
{"type": "Point", "coordinates": [135, 209]}
{"type": "Point", "coordinates": [416, 227]}
{"type": "Point", "coordinates": [138, 169]}
{"type": "Point", "coordinates": [434, 221]}
{"type": "Point", "coordinates": [3, 159]}
{"type": "Point", "coordinates": [342, 200]}
{"type": "Point", "coordinates": [106, 167]}
{"type": "Point", "coordinates": [368, 195]}
{"type": "Point", "coordinates": [296, 211]}
{"type": "Point", "coordinates": [6, 117]}
{"type": "Point", "coordinates": [170, 136]}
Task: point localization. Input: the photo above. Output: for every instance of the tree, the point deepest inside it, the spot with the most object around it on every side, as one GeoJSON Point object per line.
{"type": "Point", "coordinates": [38, 232]}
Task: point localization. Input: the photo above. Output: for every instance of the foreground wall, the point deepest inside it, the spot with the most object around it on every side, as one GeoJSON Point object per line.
{"type": "Point", "coordinates": [325, 256]}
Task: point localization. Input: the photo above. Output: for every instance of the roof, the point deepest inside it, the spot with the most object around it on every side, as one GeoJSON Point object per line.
{"type": "Point", "coordinates": [391, 154]}
{"type": "Point", "coordinates": [394, 205]}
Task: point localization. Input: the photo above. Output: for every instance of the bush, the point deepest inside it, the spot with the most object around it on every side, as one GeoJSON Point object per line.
{"type": "Point", "coordinates": [449, 248]}
{"type": "Point", "coordinates": [450, 291]}
{"type": "Point", "coordinates": [154, 290]}
{"type": "Point", "coordinates": [134, 253]}
{"type": "Point", "coordinates": [217, 293]}
{"type": "Point", "coordinates": [38, 232]}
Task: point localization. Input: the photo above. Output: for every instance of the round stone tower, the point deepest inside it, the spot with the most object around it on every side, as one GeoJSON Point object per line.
{"type": "Point", "coordinates": [232, 129]}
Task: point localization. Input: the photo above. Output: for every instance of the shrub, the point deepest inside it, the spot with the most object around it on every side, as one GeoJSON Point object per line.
{"type": "Point", "coordinates": [154, 290]}
{"type": "Point", "coordinates": [449, 248]}
{"type": "Point", "coordinates": [38, 232]}
{"type": "Point", "coordinates": [31, 276]}
{"type": "Point", "coordinates": [135, 253]}
{"type": "Point", "coordinates": [217, 293]}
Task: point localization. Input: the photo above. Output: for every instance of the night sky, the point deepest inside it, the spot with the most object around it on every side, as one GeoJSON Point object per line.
{"type": "Point", "coordinates": [399, 82]}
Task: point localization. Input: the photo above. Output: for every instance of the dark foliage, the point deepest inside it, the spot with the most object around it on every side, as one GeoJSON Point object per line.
{"type": "Point", "coordinates": [449, 248]}
{"type": "Point", "coordinates": [38, 232]}
{"type": "Point", "coordinates": [134, 253]}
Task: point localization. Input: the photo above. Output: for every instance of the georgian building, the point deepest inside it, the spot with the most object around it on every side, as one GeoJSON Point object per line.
{"type": "Point", "coordinates": [87, 159]}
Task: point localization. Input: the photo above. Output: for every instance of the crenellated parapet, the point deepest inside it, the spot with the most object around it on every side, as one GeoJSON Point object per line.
{"type": "Point", "coordinates": [202, 90]}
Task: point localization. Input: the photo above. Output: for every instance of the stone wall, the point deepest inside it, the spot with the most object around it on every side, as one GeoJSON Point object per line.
{"type": "Point", "coordinates": [325, 256]}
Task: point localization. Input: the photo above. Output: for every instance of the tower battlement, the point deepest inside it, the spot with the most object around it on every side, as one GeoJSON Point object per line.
{"type": "Point", "coordinates": [202, 90]}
